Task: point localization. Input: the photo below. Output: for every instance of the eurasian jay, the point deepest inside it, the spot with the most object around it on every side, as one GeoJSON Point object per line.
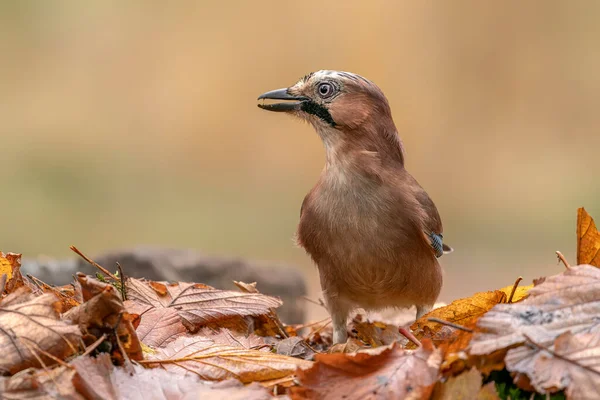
{"type": "Point", "coordinates": [371, 229]}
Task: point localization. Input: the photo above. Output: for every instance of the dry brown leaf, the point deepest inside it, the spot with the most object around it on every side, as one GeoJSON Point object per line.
{"type": "Point", "coordinates": [103, 313]}
{"type": "Point", "coordinates": [375, 333]}
{"type": "Point", "coordinates": [29, 327]}
{"type": "Point", "coordinates": [67, 294]}
{"type": "Point", "coordinates": [10, 265]}
{"type": "Point", "coordinates": [383, 373]}
{"type": "Point", "coordinates": [93, 378]}
{"type": "Point", "coordinates": [574, 365]}
{"type": "Point", "coordinates": [97, 379]}
{"type": "Point", "coordinates": [588, 239]}
{"type": "Point", "coordinates": [266, 324]}
{"type": "Point", "coordinates": [39, 384]}
{"type": "Point", "coordinates": [226, 337]}
{"type": "Point", "coordinates": [167, 309]}
{"type": "Point", "coordinates": [295, 347]}
{"type": "Point", "coordinates": [465, 386]}
{"type": "Point", "coordinates": [567, 301]}
{"type": "Point", "coordinates": [488, 392]}
{"type": "Point", "coordinates": [216, 362]}
{"type": "Point", "coordinates": [351, 345]}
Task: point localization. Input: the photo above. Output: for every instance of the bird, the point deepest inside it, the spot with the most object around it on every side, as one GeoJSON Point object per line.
{"type": "Point", "coordinates": [373, 232]}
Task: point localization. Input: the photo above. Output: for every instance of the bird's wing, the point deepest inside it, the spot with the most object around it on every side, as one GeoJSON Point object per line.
{"type": "Point", "coordinates": [432, 224]}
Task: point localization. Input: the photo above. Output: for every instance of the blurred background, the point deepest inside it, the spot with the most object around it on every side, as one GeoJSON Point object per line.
{"type": "Point", "coordinates": [128, 123]}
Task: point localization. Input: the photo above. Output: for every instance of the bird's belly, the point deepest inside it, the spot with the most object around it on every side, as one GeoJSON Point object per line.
{"type": "Point", "coordinates": [371, 260]}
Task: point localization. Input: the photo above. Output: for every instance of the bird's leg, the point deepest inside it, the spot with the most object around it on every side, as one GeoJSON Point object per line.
{"type": "Point", "coordinates": [339, 310]}
{"type": "Point", "coordinates": [422, 310]}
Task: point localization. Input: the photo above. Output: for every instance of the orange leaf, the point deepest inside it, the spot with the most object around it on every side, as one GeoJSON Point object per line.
{"type": "Point", "coordinates": [386, 372]}
{"type": "Point", "coordinates": [10, 265]}
{"type": "Point", "coordinates": [588, 239]}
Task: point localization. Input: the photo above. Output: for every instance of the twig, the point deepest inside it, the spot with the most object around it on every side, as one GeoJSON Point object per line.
{"type": "Point", "coordinates": [563, 259]}
{"type": "Point", "coordinates": [319, 302]}
{"type": "Point", "coordinates": [12, 339]}
{"type": "Point", "coordinates": [561, 357]}
{"type": "Point", "coordinates": [52, 357]}
{"type": "Point", "coordinates": [514, 289]}
{"type": "Point", "coordinates": [93, 263]}
{"type": "Point", "coordinates": [451, 324]}
{"type": "Point", "coordinates": [94, 345]}
{"type": "Point", "coordinates": [321, 327]}
{"type": "Point", "coordinates": [313, 323]}
{"type": "Point", "coordinates": [122, 276]}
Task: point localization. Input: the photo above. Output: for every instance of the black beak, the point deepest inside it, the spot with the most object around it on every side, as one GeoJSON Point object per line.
{"type": "Point", "coordinates": [281, 94]}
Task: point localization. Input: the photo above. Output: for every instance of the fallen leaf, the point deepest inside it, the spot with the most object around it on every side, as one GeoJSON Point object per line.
{"type": "Point", "coordinates": [574, 366]}
{"type": "Point", "coordinates": [216, 362]}
{"type": "Point", "coordinates": [588, 239]}
{"type": "Point", "coordinates": [452, 341]}
{"type": "Point", "coordinates": [375, 333]}
{"type": "Point", "coordinates": [67, 294]}
{"type": "Point", "coordinates": [30, 328]}
{"type": "Point", "coordinates": [295, 347]}
{"type": "Point", "coordinates": [191, 305]}
{"type": "Point", "coordinates": [520, 293]}
{"type": "Point", "coordinates": [461, 311]}
{"type": "Point", "coordinates": [226, 337]}
{"type": "Point", "coordinates": [98, 379]}
{"type": "Point", "coordinates": [383, 373]}
{"type": "Point", "coordinates": [103, 312]}
{"type": "Point", "coordinates": [488, 392]}
{"type": "Point", "coordinates": [351, 345]}
{"type": "Point", "coordinates": [465, 386]}
{"type": "Point", "coordinates": [93, 378]}
{"type": "Point", "coordinates": [39, 384]}
{"type": "Point", "coordinates": [567, 301]}
{"type": "Point", "coordinates": [10, 264]}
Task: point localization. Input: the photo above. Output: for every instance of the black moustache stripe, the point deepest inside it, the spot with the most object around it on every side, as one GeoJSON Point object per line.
{"type": "Point", "coordinates": [313, 108]}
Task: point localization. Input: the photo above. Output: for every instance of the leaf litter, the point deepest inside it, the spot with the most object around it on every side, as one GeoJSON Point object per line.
{"type": "Point", "coordinates": [114, 337]}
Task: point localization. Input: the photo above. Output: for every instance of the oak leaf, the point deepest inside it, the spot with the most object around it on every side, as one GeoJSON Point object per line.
{"type": "Point", "coordinates": [383, 373]}
{"type": "Point", "coordinates": [217, 362]}
{"type": "Point", "coordinates": [588, 239]}
{"type": "Point", "coordinates": [169, 310]}
{"type": "Point", "coordinates": [30, 329]}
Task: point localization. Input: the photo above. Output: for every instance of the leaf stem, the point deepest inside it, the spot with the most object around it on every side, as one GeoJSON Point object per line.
{"type": "Point", "coordinates": [562, 258]}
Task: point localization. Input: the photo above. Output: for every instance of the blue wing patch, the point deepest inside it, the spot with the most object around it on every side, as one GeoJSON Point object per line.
{"type": "Point", "coordinates": [437, 242]}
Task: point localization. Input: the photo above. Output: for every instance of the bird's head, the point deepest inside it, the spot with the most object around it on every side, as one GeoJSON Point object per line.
{"type": "Point", "coordinates": [343, 107]}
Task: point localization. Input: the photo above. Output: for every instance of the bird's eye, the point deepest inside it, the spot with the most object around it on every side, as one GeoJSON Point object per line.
{"type": "Point", "coordinates": [326, 89]}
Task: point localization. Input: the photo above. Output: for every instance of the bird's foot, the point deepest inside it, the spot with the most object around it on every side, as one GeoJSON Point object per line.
{"type": "Point", "coordinates": [409, 335]}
